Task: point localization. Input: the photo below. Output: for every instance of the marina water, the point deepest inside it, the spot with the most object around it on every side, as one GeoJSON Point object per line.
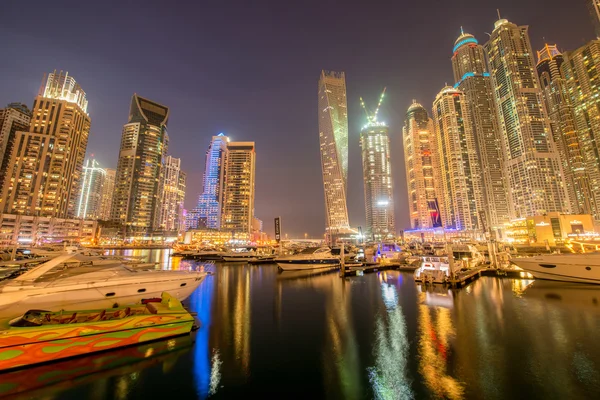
{"type": "Point", "coordinates": [265, 333]}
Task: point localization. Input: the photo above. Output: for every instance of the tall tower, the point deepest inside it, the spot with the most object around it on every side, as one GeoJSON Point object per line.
{"type": "Point", "coordinates": [144, 142]}
{"type": "Point", "coordinates": [564, 132]}
{"type": "Point", "coordinates": [108, 190]}
{"type": "Point", "coordinates": [594, 8]}
{"type": "Point", "coordinates": [333, 139]}
{"type": "Point", "coordinates": [581, 70]}
{"type": "Point", "coordinates": [461, 175]}
{"type": "Point", "coordinates": [532, 162]}
{"type": "Point", "coordinates": [173, 195]}
{"type": "Point", "coordinates": [15, 117]}
{"type": "Point", "coordinates": [45, 167]}
{"type": "Point", "coordinates": [377, 175]}
{"type": "Point", "coordinates": [89, 204]}
{"type": "Point", "coordinates": [210, 202]}
{"type": "Point", "coordinates": [422, 169]}
{"type": "Point", "coordinates": [238, 196]}
{"type": "Point", "coordinates": [473, 79]}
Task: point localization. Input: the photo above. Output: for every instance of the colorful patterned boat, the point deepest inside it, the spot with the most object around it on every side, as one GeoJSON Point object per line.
{"type": "Point", "coordinates": [40, 336]}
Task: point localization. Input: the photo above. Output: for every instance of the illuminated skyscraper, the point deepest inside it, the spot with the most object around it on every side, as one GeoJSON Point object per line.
{"type": "Point", "coordinates": [377, 175]}
{"type": "Point", "coordinates": [532, 162]}
{"type": "Point", "coordinates": [238, 194]}
{"type": "Point", "coordinates": [473, 79]}
{"type": "Point", "coordinates": [594, 8]}
{"type": "Point", "coordinates": [333, 139]}
{"type": "Point", "coordinates": [210, 202]}
{"type": "Point", "coordinates": [173, 195]}
{"type": "Point", "coordinates": [460, 171]}
{"type": "Point", "coordinates": [108, 190]}
{"type": "Point", "coordinates": [15, 117]}
{"type": "Point", "coordinates": [581, 70]}
{"type": "Point", "coordinates": [45, 167]}
{"type": "Point", "coordinates": [422, 169]}
{"type": "Point", "coordinates": [564, 131]}
{"type": "Point", "coordinates": [144, 142]}
{"type": "Point", "coordinates": [89, 203]}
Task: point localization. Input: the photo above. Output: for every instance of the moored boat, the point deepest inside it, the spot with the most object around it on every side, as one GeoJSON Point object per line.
{"type": "Point", "coordinates": [41, 336]}
{"type": "Point", "coordinates": [580, 268]}
{"type": "Point", "coordinates": [433, 269]}
{"type": "Point", "coordinates": [62, 283]}
{"type": "Point", "coordinates": [309, 258]}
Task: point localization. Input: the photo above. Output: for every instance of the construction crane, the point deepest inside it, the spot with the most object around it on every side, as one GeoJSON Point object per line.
{"type": "Point", "coordinates": [372, 117]}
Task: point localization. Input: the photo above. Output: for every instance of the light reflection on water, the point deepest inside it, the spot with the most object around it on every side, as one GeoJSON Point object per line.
{"type": "Point", "coordinates": [315, 335]}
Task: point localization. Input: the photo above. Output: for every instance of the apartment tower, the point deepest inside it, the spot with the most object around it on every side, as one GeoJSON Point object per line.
{"type": "Point", "coordinates": [238, 194]}
{"type": "Point", "coordinates": [422, 169]}
{"type": "Point", "coordinates": [89, 204]}
{"type": "Point", "coordinates": [581, 71]}
{"type": "Point", "coordinates": [532, 161]}
{"type": "Point", "coordinates": [460, 171]}
{"type": "Point", "coordinates": [333, 142]}
{"type": "Point", "coordinates": [45, 168]}
{"type": "Point", "coordinates": [15, 117]}
{"type": "Point", "coordinates": [564, 132]}
{"type": "Point", "coordinates": [210, 202]}
{"type": "Point", "coordinates": [473, 79]}
{"type": "Point", "coordinates": [138, 182]}
{"type": "Point", "coordinates": [173, 195]}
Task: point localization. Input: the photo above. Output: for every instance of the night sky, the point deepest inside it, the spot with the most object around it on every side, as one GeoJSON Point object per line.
{"type": "Point", "coordinates": [250, 69]}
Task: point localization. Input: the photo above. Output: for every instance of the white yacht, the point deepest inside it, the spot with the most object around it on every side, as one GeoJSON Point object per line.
{"type": "Point", "coordinates": [433, 269]}
{"type": "Point", "coordinates": [309, 258]}
{"type": "Point", "coordinates": [66, 283]}
{"type": "Point", "coordinates": [581, 268]}
{"type": "Point", "coordinates": [391, 251]}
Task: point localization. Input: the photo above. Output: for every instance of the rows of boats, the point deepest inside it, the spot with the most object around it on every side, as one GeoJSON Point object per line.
{"type": "Point", "coordinates": [75, 304]}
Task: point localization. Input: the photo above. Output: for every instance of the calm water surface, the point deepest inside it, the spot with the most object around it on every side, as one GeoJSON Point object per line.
{"type": "Point", "coordinates": [268, 334]}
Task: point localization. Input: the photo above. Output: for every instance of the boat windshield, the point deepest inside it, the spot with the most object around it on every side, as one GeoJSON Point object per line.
{"type": "Point", "coordinates": [31, 318]}
{"type": "Point", "coordinates": [309, 250]}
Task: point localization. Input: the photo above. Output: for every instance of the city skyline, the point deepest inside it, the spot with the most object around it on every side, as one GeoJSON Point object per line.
{"type": "Point", "coordinates": [276, 166]}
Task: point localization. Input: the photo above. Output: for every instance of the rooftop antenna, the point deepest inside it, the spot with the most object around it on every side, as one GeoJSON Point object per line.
{"type": "Point", "coordinates": [461, 31]}
{"type": "Point", "coordinates": [498, 11]}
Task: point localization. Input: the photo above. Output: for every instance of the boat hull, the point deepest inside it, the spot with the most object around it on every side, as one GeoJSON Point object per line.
{"type": "Point", "coordinates": [561, 268]}
{"type": "Point", "coordinates": [309, 265]}
{"type": "Point", "coordinates": [94, 294]}
{"type": "Point", "coordinates": [240, 259]}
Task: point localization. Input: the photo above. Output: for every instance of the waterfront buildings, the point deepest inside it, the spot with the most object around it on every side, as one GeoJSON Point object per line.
{"type": "Point", "coordinates": [33, 230]}
{"type": "Point", "coordinates": [532, 161]}
{"type": "Point", "coordinates": [209, 208]}
{"type": "Point", "coordinates": [173, 196]}
{"type": "Point", "coordinates": [377, 179]}
{"type": "Point", "coordinates": [45, 166]}
{"type": "Point", "coordinates": [421, 159]}
{"type": "Point", "coordinates": [333, 143]}
{"type": "Point", "coordinates": [459, 165]}
{"type": "Point", "coordinates": [238, 193]}
{"type": "Point", "coordinates": [551, 229]}
{"type": "Point", "coordinates": [564, 131]}
{"type": "Point", "coordinates": [594, 9]}
{"type": "Point", "coordinates": [138, 182]}
{"type": "Point", "coordinates": [14, 117]}
{"type": "Point", "coordinates": [473, 79]}
{"type": "Point", "coordinates": [581, 69]}
{"type": "Point", "coordinates": [90, 201]}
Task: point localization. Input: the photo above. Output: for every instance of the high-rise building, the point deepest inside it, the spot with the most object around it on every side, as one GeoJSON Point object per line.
{"type": "Point", "coordinates": [89, 203]}
{"type": "Point", "coordinates": [45, 167]}
{"type": "Point", "coordinates": [210, 202]}
{"type": "Point", "coordinates": [564, 132]}
{"type": "Point", "coordinates": [532, 162]}
{"type": "Point", "coordinates": [108, 190]}
{"type": "Point", "coordinates": [594, 8]}
{"type": "Point", "coordinates": [173, 195]}
{"type": "Point", "coordinates": [422, 169]}
{"type": "Point", "coordinates": [473, 79]}
{"type": "Point", "coordinates": [238, 194]}
{"type": "Point", "coordinates": [333, 139]}
{"type": "Point", "coordinates": [144, 143]}
{"type": "Point", "coordinates": [377, 176]}
{"type": "Point", "coordinates": [15, 117]}
{"type": "Point", "coordinates": [460, 171]}
{"type": "Point", "coordinates": [581, 71]}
